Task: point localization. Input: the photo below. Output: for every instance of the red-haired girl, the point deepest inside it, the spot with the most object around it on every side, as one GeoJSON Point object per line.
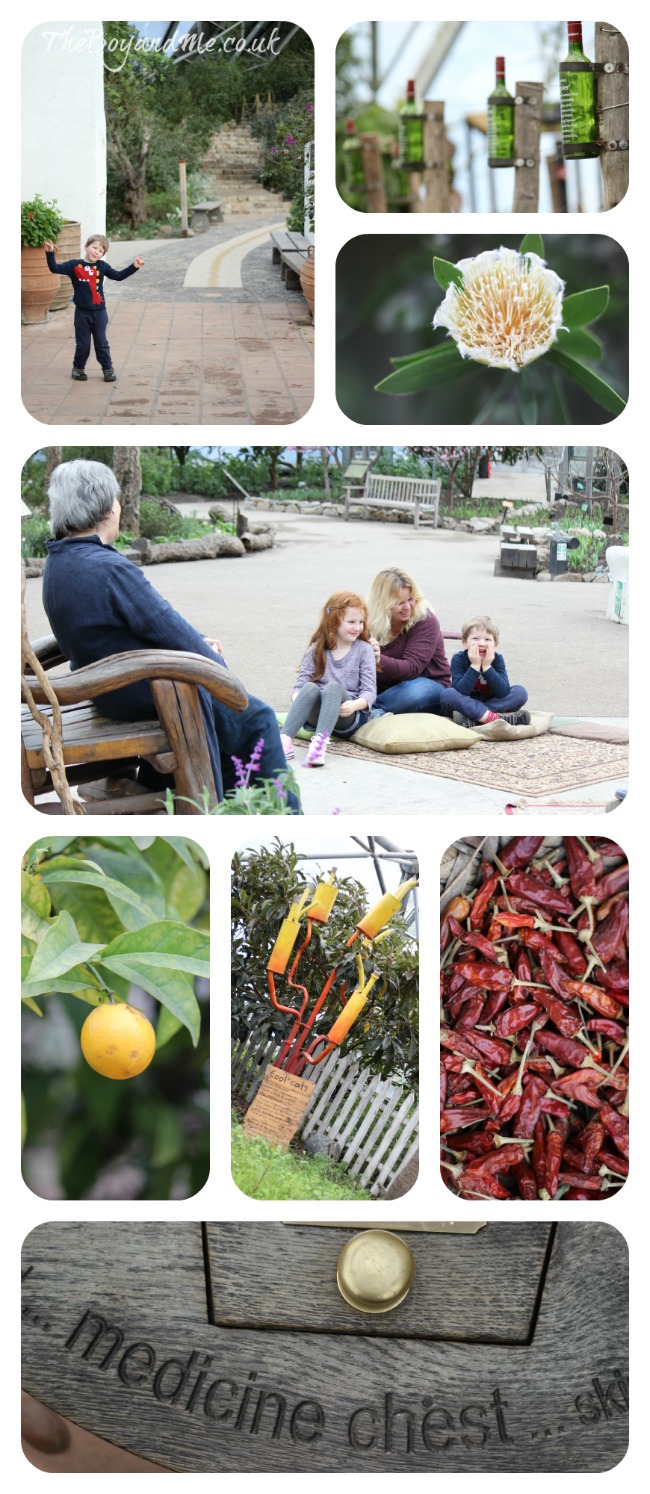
{"type": "Point", "coordinates": [336, 685]}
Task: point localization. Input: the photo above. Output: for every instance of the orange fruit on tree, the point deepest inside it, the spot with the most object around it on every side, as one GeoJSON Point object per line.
{"type": "Point", "coordinates": [117, 1040]}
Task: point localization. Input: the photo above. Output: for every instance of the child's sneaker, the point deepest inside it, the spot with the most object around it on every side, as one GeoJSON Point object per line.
{"type": "Point", "coordinates": [78, 373]}
{"type": "Point", "coordinates": [517, 718]}
{"type": "Point", "coordinates": [109, 375]}
{"type": "Point", "coordinates": [317, 748]}
{"type": "Point", "coordinates": [462, 720]}
{"type": "Point", "coordinates": [287, 745]}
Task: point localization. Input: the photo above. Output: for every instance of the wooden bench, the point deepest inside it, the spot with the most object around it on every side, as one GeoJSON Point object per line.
{"type": "Point", "coordinates": [419, 496]}
{"type": "Point", "coordinates": [96, 747]}
{"type": "Point", "coordinates": [204, 214]}
{"type": "Point", "coordinates": [289, 250]}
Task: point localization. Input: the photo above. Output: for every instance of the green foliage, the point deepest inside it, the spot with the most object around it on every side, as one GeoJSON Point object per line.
{"type": "Point", "coordinates": [264, 884]}
{"type": "Point", "coordinates": [34, 534]}
{"type": "Point", "coordinates": [590, 553]}
{"type": "Point", "coordinates": [285, 131]}
{"type": "Point", "coordinates": [157, 521]}
{"type": "Point", "coordinates": [129, 910]}
{"type": "Point", "coordinates": [39, 220]}
{"type": "Point", "coordinates": [264, 1171]}
{"type": "Point", "coordinates": [268, 797]}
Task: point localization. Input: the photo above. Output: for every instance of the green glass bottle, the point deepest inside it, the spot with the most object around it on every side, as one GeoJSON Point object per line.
{"type": "Point", "coordinates": [578, 100]}
{"type": "Point", "coordinates": [501, 120]}
{"type": "Point", "coordinates": [411, 132]}
{"type": "Point", "coordinates": [396, 181]}
{"type": "Point", "coordinates": [353, 158]}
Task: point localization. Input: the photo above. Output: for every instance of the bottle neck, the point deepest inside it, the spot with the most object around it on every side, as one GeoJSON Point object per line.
{"type": "Point", "coordinates": [575, 39]}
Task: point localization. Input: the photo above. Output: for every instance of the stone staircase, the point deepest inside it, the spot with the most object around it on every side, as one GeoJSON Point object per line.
{"type": "Point", "coordinates": [230, 170]}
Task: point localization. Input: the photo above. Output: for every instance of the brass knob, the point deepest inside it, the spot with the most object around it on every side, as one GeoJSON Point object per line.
{"type": "Point", "coordinates": [375, 1271]}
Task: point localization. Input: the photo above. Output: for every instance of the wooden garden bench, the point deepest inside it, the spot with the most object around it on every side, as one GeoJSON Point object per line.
{"type": "Point", "coordinates": [206, 213]}
{"type": "Point", "coordinates": [96, 747]}
{"type": "Point", "coordinates": [419, 496]}
{"type": "Point", "coordinates": [289, 250]}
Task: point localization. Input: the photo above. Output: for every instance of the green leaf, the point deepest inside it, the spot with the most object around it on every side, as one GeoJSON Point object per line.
{"type": "Point", "coordinates": [584, 306]}
{"type": "Point", "coordinates": [444, 364]}
{"type": "Point", "coordinates": [114, 890]}
{"type": "Point", "coordinates": [579, 344]}
{"type": "Point", "coordinates": [132, 871]}
{"type": "Point", "coordinates": [75, 983]}
{"type": "Point", "coordinates": [447, 347]}
{"type": "Point", "coordinates": [533, 243]}
{"type": "Point", "coordinates": [166, 1028]}
{"type": "Point", "coordinates": [164, 946]}
{"type": "Point", "coordinates": [60, 950]}
{"type": "Point", "coordinates": [33, 1005]}
{"type": "Point", "coordinates": [601, 392]}
{"type": "Point", "coordinates": [171, 989]}
{"type": "Point", "coordinates": [36, 907]}
{"type": "Point", "coordinates": [527, 402]}
{"type": "Point", "coordinates": [185, 883]}
{"type": "Point", "coordinates": [446, 274]}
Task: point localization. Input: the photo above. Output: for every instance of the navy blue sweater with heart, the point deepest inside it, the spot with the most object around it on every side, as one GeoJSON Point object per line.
{"type": "Point", "coordinates": [88, 280]}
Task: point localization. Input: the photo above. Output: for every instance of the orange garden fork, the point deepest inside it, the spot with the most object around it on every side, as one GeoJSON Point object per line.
{"type": "Point", "coordinates": [293, 1056]}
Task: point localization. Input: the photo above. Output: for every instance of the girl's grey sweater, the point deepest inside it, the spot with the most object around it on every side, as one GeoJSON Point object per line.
{"type": "Point", "coordinates": [355, 672]}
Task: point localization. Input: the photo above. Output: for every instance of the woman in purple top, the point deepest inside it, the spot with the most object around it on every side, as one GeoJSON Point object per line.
{"type": "Point", "coordinates": [412, 667]}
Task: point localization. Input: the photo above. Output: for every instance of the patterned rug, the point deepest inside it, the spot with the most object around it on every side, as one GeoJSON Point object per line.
{"type": "Point", "coordinates": [534, 767]}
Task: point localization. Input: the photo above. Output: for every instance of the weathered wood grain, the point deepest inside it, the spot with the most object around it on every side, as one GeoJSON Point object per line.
{"type": "Point", "coordinates": [249, 1291]}
{"type": "Point", "coordinates": [201, 1398]}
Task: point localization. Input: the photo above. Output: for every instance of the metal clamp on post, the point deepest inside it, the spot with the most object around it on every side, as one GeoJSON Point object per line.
{"type": "Point", "coordinates": [610, 67]}
{"type": "Point", "coordinates": [525, 98]}
{"type": "Point", "coordinates": [529, 161]}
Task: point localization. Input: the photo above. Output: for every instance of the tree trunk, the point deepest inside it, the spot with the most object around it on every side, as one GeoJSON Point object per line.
{"type": "Point", "coordinates": [53, 459]}
{"type": "Point", "coordinates": [326, 476]}
{"type": "Point", "coordinates": [135, 196]}
{"type": "Point", "coordinates": [126, 466]}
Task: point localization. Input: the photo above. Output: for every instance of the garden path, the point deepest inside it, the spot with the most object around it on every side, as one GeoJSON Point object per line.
{"type": "Point", "coordinates": [224, 344]}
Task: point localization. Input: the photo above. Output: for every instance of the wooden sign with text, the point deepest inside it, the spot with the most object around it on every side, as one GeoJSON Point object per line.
{"type": "Point", "coordinates": [279, 1107]}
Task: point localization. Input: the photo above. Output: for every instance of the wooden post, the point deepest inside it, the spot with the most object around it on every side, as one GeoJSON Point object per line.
{"type": "Point", "coordinates": [374, 173]}
{"type": "Point", "coordinates": [528, 125]}
{"type": "Point", "coordinates": [589, 479]}
{"type": "Point", "coordinates": [612, 97]}
{"type": "Point", "coordinates": [557, 178]}
{"type": "Point", "coordinates": [182, 176]}
{"type": "Point", "coordinates": [436, 195]}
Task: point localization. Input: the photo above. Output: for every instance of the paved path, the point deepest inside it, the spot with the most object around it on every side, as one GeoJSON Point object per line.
{"type": "Point", "coordinates": [237, 353]}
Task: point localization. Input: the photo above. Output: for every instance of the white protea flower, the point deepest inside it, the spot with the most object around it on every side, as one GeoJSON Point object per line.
{"type": "Point", "coordinates": [508, 310]}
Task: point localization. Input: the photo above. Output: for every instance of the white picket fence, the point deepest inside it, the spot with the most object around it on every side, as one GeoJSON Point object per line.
{"type": "Point", "coordinates": [369, 1124]}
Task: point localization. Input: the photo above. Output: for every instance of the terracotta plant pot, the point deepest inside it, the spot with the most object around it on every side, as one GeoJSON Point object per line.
{"type": "Point", "coordinates": [308, 279]}
{"type": "Point", "coordinates": [68, 246]}
{"type": "Point", "coordinates": [37, 286]}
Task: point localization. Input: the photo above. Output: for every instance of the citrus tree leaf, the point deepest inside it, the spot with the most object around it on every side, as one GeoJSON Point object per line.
{"type": "Point", "coordinates": [36, 907]}
{"type": "Point", "coordinates": [166, 1028]}
{"type": "Point", "coordinates": [75, 983]}
{"type": "Point", "coordinates": [591, 382]}
{"type": "Point", "coordinates": [164, 946]}
{"type": "Point", "coordinates": [579, 344]}
{"type": "Point", "coordinates": [114, 890]}
{"type": "Point", "coordinates": [446, 274]}
{"type": "Point", "coordinates": [171, 988]}
{"type": "Point", "coordinates": [183, 879]}
{"type": "Point", "coordinates": [444, 364]}
{"type": "Point", "coordinates": [33, 1005]}
{"type": "Point", "coordinates": [584, 306]}
{"type": "Point", "coordinates": [60, 950]}
{"type": "Point", "coordinates": [533, 243]}
{"type": "Point", "coordinates": [132, 870]}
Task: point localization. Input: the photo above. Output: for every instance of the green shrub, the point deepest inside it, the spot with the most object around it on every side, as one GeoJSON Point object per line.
{"type": "Point", "coordinates": [157, 521]}
{"type": "Point", "coordinates": [33, 536]}
{"type": "Point", "coordinates": [590, 552]}
{"type": "Point", "coordinates": [39, 220]}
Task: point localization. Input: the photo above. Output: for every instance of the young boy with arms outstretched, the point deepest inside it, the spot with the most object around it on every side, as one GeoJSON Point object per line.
{"type": "Point", "coordinates": [480, 690]}
{"type": "Point", "coordinates": [90, 315]}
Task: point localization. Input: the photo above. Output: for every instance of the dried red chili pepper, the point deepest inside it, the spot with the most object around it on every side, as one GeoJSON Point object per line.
{"type": "Point", "coordinates": [538, 1155]}
{"type": "Point", "coordinates": [612, 1030]}
{"type": "Point", "coordinates": [494, 1049]}
{"type": "Point", "coordinates": [516, 1017]}
{"type": "Point", "coordinates": [541, 944]}
{"type": "Point", "coordinates": [500, 1160]}
{"type": "Point", "coordinates": [443, 1086]}
{"type": "Point", "coordinates": [458, 908]}
{"type": "Point", "coordinates": [578, 1180]}
{"type": "Point", "coordinates": [520, 850]}
{"type": "Point", "coordinates": [554, 1108]}
{"type": "Point", "coordinates": [471, 1013]}
{"type": "Point", "coordinates": [526, 1180]}
{"type": "Point", "coordinates": [530, 1107]}
{"type": "Point", "coordinates": [568, 946]}
{"type": "Point", "coordinates": [601, 1001]}
{"type": "Point", "coordinates": [561, 1048]}
{"type": "Point", "coordinates": [553, 899]}
{"type": "Point", "coordinates": [454, 1120]}
{"type": "Point", "coordinates": [592, 1140]}
{"type": "Point", "coordinates": [554, 1148]}
{"type": "Point", "coordinates": [614, 1161]}
{"type": "Point", "coordinates": [488, 977]}
{"type": "Point", "coordinates": [611, 932]}
{"type": "Point", "coordinates": [476, 941]}
{"type": "Point", "coordinates": [567, 1019]}
{"type": "Point", "coordinates": [483, 1186]}
{"type": "Point", "coordinates": [581, 872]}
{"type": "Point", "coordinates": [494, 1004]}
{"type": "Point", "coordinates": [482, 898]}
{"type": "Point", "coordinates": [618, 1128]}
{"type": "Point", "coordinates": [612, 882]}
{"type": "Point", "coordinates": [515, 920]}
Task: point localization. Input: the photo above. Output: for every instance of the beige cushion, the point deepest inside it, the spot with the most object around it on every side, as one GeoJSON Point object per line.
{"type": "Point", "coordinates": [415, 731]}
{"type": "Point", "coordinates": [502, 731]}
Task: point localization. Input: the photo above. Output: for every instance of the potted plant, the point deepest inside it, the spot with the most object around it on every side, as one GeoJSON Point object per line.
{"type": "Point", "coordinates": [39, 221]}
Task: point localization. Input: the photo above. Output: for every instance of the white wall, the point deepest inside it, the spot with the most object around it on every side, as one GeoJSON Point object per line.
{"type": "Point", "coordinates": [63, 125]}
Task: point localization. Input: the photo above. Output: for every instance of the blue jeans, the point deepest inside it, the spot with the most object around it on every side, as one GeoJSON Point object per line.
{"type": "Point", "coordinates": [421, 694]}
{"type": "Point", "coordinates": [474, 706]}
{"type": "Point", "coordinates": [91, 323]}
{"type": "Point", "coordinates": [239, 731]}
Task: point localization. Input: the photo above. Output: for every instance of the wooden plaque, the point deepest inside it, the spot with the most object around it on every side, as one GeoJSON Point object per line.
{"type": "Point", "coordinates": [143, 1335]}
{"type": "Point", "coordinates": [279, 1107]}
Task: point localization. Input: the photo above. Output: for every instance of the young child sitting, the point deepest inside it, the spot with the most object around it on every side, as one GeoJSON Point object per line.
{"type": "Point", "coordinates": [90, 315]}
{"type": "Point", "coordinates": [336, 685]}
{"type": "Point", "coordinates": [480, 690]}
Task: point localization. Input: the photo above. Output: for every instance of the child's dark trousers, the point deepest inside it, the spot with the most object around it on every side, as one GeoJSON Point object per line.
{"type": "Point", "coordinates": [90, 326]}
{"type": "Point", "coordinates": [475, 706]}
